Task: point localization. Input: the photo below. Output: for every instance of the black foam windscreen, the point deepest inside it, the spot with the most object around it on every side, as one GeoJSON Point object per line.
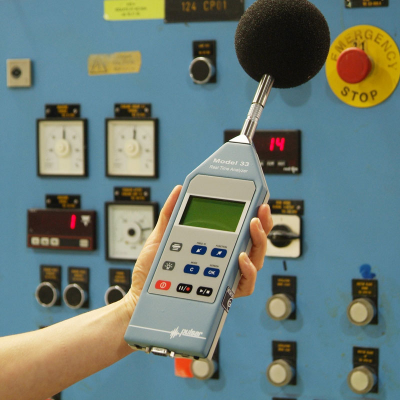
{"type": "Point", "coordinates": [287, 39]}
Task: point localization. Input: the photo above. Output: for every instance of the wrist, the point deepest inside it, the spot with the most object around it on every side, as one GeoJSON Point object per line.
{"type": "Point", "coordinates": [128, 304]}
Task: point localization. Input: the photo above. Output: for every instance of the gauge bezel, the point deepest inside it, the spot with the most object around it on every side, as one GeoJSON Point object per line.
{"type": "Point", "coordinates": [108, 205]}
{"type": "Point", "coordinates": [39, 121]}
{"type": "Point", "coordinates": [154, 122]}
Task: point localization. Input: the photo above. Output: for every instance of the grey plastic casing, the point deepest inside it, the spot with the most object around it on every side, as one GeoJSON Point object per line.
{"type": "Point", "coordinates": [188, 325]}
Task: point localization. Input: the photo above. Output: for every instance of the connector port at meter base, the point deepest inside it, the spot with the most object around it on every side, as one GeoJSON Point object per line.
{"type": "Point", "coordinates": [159, 351]}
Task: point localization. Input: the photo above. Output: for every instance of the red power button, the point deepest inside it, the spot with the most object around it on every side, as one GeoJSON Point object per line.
{"type": "Point", "coordinates": [163, 285]}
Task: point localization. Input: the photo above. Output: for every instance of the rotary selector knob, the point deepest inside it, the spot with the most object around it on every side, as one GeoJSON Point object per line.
{"type": "Point", "coordinates": [74, 296]}
{"type": "Point", "coordinates": [279, 307]}
{"type": "Point", "coordinates": [114, 294]}
{"type": "Point", "coordinates": [361, 311]}
{"type": "Point", "coordinates": [62, 148]}
{"type": "Point", "coordinates": [47, 294]}
{"type": "Point", "coordinates": [353, 65]}
{"type": "Point", "coordinates": [132, 148]}
{"type": "Point", "coordinates": [201, 70]}
{"type": "Point", "coordinates": [203, 369]}
{"type": "Point", "coordinates": [361, 380]}
{"type": "Point", "coordinates": [280, 373]}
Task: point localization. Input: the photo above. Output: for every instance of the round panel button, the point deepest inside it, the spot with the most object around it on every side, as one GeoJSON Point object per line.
{"type": "Point", "coordinates": [203, 369]}
{"type": "Point", "coordinates": [46, 294]}
{"type": "Point", "coordinates": [361, 311]}
{"type": "Point", "coordinates": [201, 70]}
{"type": "Point", "coordinates": [74, 296]}
{"type": "Point", "coordinates": [114, 294]}
{"type": "Point", "coordinates": [279, 373]}
{"type": "Point", "coordinates": [279, 307]}
{"type": "Point", "coordinates": [361, 380]}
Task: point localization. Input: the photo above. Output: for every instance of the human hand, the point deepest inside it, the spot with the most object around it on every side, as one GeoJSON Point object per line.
{"type": "Point", "coordinates": [249, 265]}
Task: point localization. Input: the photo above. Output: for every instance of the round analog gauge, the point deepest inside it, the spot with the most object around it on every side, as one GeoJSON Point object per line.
{"type": "Point", "coordinates": [61, 147]}
{"type": "Point", "coordinates": [128, 227]}
{"type": "Point", "coordinates": [131, 147]}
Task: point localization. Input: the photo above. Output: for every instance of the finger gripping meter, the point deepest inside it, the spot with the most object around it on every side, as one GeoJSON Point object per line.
{"type": "Point", "coordinates": [191, 283]}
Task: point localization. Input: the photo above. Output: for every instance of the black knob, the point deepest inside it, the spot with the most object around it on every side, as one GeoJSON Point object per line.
{"type": "Point", "coordinates": [16, 72]}
{"type": "Point", "coordinates": [282, 236]}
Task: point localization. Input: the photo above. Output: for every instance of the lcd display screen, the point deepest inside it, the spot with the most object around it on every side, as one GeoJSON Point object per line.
{"type": "Point", "coordinates": [203, 212]}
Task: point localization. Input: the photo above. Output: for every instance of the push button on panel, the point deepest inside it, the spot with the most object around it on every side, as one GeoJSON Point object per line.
{"type": "Point", "coordinates": [199, 249]}
{"type": "Point", "coordinates": [163, 285]}
{"type": "Point", "coordinates": [184, 288]}
{"type": "Point", "coordinates": [35, 241]}
{"type": "Point", "coordinates": [191, 269]}
{"type": "Point", "coordinates": [221, 253]}
{"type": "Point", "coordinates": [213, 272]}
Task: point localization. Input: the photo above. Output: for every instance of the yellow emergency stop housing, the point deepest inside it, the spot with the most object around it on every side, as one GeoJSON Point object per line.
{"type": "Point", "coordinates": [384, 75]}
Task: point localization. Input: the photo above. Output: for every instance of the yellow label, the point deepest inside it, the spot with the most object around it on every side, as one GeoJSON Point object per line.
{"type": "Point", "coordinates": [384, 75]}
{"type": "Point", "coordinates": [127, 62]}
{"type": "Point", "coordinates": [117, 10]}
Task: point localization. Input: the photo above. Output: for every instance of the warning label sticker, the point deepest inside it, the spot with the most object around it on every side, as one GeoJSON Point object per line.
{"type": "Point", "coordinates": [127, 62]}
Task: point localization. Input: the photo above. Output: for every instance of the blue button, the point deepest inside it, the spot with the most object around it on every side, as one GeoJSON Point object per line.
{"type": "Point", "coordinates": [199, 250]}
{"type": "Point", "coordinates": [221, 253]}
{"type": "Point", "coordinates": [213, 272]}
{"type": "Point", "coordinates": [191, 269]}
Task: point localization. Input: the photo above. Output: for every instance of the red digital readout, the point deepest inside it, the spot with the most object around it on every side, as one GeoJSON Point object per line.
{"type": "Point", "coordinates": [277, 143]}
{"type": "Point", "coordinates": [72, 224]}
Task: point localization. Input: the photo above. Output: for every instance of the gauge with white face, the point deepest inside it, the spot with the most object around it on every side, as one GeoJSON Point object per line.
{"type": "Point", "coordinates": [131, 147]}
{"type": "Point", "coordinates": [128, 225]}
{"type": "Point", "coordinates": [61, 145]}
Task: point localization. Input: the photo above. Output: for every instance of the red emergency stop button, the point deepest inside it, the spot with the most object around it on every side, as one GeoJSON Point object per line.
{"type": "Point", "coordinates": [353, 65]}
{"type": "Point", "coordinates": [163, 285]}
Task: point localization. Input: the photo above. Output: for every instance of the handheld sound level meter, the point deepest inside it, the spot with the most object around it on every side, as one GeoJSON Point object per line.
{"type": "Point", "coordinates": [190, 286]}
{"type": "Point", "coordinates": [186, 297]}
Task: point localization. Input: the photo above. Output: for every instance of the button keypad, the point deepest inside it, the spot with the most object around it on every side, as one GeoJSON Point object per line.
{"type": "Point", "coordinates": [194, 263]}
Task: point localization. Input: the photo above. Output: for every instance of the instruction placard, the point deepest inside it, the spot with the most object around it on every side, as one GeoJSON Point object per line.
{"type": "Point", "coordinates": [117, 10]}
{"type": "Point", "coordinates": [127, 62]}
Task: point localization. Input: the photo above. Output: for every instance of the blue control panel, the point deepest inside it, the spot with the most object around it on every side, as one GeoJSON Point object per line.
{"type": "Point", "coordinates": [348, 182]}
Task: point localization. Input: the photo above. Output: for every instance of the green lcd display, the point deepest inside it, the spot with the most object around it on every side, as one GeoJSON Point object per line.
{"type": "Point", "coordinates": [203, 212]}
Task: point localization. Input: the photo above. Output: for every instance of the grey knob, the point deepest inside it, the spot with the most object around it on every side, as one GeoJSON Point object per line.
{"type": "Point", "coordinates": [361, 380]}
{"type": "Point", "coordinates": [361, 311]}
{"type": "Point", "coordinates": [280, 373]}
{"type": "Point", "coordinates": [203, 369]}
{"type": "Point", "coordinates": [279, 306]}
